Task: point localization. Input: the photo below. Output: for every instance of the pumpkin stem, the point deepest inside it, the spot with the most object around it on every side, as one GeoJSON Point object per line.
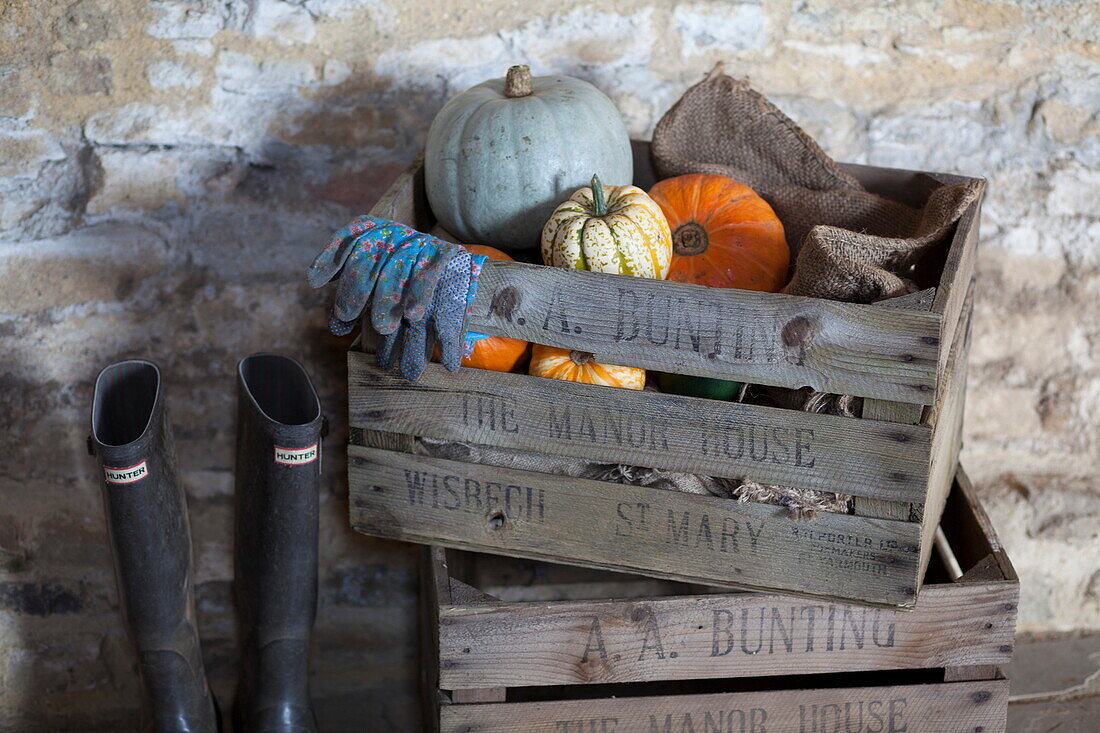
{"type": "Point", "coordinates": [599, 205]}
{"type": "Point", "coordinates": [580, 358]}
{"type": "Point", "coordinates": [517, 83]}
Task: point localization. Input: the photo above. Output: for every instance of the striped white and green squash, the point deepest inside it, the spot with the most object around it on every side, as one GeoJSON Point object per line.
{"type": "Point", "coordinates": [614, 229]}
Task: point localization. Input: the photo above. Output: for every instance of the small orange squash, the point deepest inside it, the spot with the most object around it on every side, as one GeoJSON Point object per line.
{"type": "Point", "coordinates": [723, 234]}
{"type": "Point", "coordinates": [496, 353]}
{"type": "Point", "coordinates": [577, 366]}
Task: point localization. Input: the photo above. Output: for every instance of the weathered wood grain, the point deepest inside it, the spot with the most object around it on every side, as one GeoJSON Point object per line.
{"type": "Point", "coordinates": [911, 188]}
{"type": "Point", "coordinates": [620, 635]}
{"type": "Point", "coordinates": [487, 694]}
{"type": "Point", "coordinates": [973, 672]}
{"type": "Point", "coordinates": [381, 439]}
{"type": "Point", "coordinates": [756, 337]}
{"type": "Point", "coordinates": [962, 510]}
{"type": "Point", "coordinates": [762, 338]}
{"type": "Point", "coordinates": [986, 569]}
{"type": "Point", "coordinates": [649, 531]}
{"type": "Point", "coordinates": [946, 419]}
{"type": "Point", "coordinates": [964, 707]}
{"type": "Point", "coordinates": [514, 580]}
{"type": "Point", "coordinates": [678, 643]}
{"type": "Point", "coordinates": [434, 594]}
{"type": "Point", "coordinates": [899, 412]}
{"type": "Point", "coordinates": [788, 447]}
{"type": "Point", "coordinates": [719, 636]}
{"type": "Point", "coordinates": [955, 280]}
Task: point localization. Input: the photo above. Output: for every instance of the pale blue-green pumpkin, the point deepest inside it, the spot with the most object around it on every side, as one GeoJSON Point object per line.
{"type": "Point", "coordinates": [501, 155]}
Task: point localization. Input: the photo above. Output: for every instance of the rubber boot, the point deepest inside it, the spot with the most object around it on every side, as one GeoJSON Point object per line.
{"type": "Point", "coordinates": [151, 539]}
{"type": "Point", "coordinates": [279, 431]}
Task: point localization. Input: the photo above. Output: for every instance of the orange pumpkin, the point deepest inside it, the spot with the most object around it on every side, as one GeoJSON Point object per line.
{"type": "Point", "coordinates": [723, 234]}
{"type": "Point", "coordinates": [577, 366]}
{"type": "Point", "coordinates": [497, 353]}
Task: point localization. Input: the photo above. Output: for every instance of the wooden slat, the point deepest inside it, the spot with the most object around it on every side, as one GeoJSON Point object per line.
{"type": "Point", "coordinates": [719, 636]}
{"type": "Point", "coordinates": [434, 594]}
{"type": "Point", "coordinates": [825, 341]}
{"type": "Point", "coordinates": [381, 439]}
{"type": "Point", "coordinates": [911, 188]}
{"type": "Point", "coordinates": [653, 532]}
{"type": "Point", "coordinates": [463, 594]}
{"type": "Point", "coordinates": [972, 672]}
{"type": "Point", "coordinates": [899, 412]}
{"type": "Point", "coordinates": [946, 418]}
{"type": "Point", "coordinates": [896, 412]}
{"type": "Point", "coordinates": [513, 580]}
{"type": "Point", "coordinates": [762, 338]}
{"type": "Point", "coordinates": [962, 707]}
{"type": "Point", "coordinates": [603, 638]}
{"type": "Point", "coordinates": [955, 281]}
{"type": "Point", "coordinates": [488, 694]}
{"type": "Point", "coordinates": [964, 510]}
{"type": "Point", "coordinates": [986, 569]}
{"type": "Point", "coordinates": [771, 445]}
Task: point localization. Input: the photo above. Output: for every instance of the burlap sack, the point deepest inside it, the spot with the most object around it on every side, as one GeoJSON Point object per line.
{"type": "Point", "coordinates": [847, 244]}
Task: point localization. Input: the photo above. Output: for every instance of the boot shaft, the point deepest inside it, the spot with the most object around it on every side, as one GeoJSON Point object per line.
{"type": "Point", "coordinates": [278, 472]}
{"type": "Point", "coordinates": [150, 538]}
{"type": "Point", "coordinates": [278, 469]}
{"type": "Point", "coordinates": [144, 501]}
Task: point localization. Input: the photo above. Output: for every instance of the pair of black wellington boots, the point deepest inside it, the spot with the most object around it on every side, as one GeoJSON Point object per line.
{"type": "Point", "coordinates": [278, 469]}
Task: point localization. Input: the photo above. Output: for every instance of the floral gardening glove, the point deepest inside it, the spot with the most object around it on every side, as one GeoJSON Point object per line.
{"type": "Point", "coordinates": [419, 289]}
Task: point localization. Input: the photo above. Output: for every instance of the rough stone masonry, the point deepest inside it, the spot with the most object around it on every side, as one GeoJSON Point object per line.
{"type": "Point", "coordinates": [168, 167]}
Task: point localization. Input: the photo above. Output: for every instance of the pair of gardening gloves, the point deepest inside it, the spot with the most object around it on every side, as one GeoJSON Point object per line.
{"type": "Point", "coordinates": [417, 287]}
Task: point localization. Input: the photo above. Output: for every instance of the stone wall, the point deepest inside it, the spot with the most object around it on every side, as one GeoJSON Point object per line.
{"type": "Point", "coordinates": [168, 167]}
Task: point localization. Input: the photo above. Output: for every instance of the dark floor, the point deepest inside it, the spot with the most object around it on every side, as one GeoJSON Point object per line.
{"type": "Point", "coordinates": [1055, 685]}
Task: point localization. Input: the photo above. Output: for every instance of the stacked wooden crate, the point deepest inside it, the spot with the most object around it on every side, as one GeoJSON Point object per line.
{"type": "Point", "coordinates": [906, 358]}
{"type": "Point", "coordinates": [515, 646]}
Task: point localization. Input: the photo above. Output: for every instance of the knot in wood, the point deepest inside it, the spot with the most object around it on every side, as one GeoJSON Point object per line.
{"type": "Point", "coordinates": [504, 302]}
{"type": "Point", "coordinates": [796, 331]}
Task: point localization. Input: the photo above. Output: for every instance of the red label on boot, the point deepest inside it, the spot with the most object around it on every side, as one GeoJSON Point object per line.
{"type": "Point", "coordinates": [296, 456]}
{"type": "Point", "coordinates": [126, 475]}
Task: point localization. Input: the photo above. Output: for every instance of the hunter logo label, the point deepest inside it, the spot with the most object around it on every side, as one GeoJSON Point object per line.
{"type": "Point", "coordinates": [296, 456]}
{"type": "Point", "coordinates": [126, 475]}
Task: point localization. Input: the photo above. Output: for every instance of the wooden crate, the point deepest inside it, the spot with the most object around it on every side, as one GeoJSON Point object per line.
{"type": "Point", "coordinates": [513, 645]}
{"type": "Point", "coordinates": [906, 358]}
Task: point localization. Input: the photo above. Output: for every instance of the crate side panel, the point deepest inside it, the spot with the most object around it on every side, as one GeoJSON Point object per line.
{"type": "Point", "coordinates": [955, 281]}
{"type": "Point", "coordinates": [719, 636]}
{"type": "Point", "coordinates": [947, 421]}
{"type": "Point", "coordinates": [430, 602]}
{"type": "Point", "coordinates": [964, 510]}
{"type": "Point", "coordinates": [633, 529]}
{"type": "Point", "coordinates": [962, 707]}
{"type": "Point", "coordinates": [787, 447]}
{"type": "Point", "coordinates": [899, 412]}
{"type": "Point", "coordinates": [762, 338]}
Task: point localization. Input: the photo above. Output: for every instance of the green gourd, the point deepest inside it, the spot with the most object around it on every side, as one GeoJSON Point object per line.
{"type": "Point", "coordinates": [689, 386]}
{"type": "Point", "coordinates": [503, 154]}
